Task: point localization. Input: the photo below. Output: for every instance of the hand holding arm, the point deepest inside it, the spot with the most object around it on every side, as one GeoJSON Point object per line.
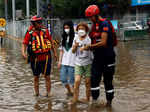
{"type": "Point", "coordinates": [75, 46]}
{"type": "Point", "coordinates": [103, 41]}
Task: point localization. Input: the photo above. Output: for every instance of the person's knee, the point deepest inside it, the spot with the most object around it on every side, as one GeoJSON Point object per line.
{"type": "Point", "coordinates": [77, 79]}
{"type": "Point", "coordinates": [63, 76]}
{"type": "Point", "coordinates": [71, 79]}
{"type": "Point", "coordinates": [77, 84]}
{"type": "Point", "coordinates": [47, 77]}
{"type": "Point", "coordinates": [63, 80]}
{"type": "Point", "coordinates": [88, 82]}
{"type": "Point", "coordinates": [36, 78]}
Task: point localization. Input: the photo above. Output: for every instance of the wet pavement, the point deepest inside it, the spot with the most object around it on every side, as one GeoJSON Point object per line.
{"type": "Point", "coordinates": [131, 81]}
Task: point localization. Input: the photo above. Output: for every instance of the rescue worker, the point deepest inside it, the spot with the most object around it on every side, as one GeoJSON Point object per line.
{"type": "Point", "coordinates": [39, 43]}
{"type": "Point", "coordinates": [104, 55]}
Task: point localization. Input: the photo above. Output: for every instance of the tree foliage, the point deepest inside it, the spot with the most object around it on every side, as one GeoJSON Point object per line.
{"type": "Point", "coordinates": [76, 8]}
{"type": "Point", "coordinates": [70, 8]}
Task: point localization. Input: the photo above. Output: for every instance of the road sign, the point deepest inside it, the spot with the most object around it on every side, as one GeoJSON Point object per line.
{"type": "Point", "coordinates": [139, 2]}
{"type": "Point", "coordinates": [2, 22]}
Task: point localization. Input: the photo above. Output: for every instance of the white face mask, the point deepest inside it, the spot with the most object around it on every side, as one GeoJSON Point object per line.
{"type": "Point", "coordinates": [67, 31]}
{"type": "Point", "coordinates": [81, 33]}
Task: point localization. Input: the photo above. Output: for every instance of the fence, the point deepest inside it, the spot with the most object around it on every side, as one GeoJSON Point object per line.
{"type": "Point", "coordinates": [18, 28]}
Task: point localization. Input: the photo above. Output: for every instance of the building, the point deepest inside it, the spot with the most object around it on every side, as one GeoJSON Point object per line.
{"type": "Point", "coordinates": [139, 10]}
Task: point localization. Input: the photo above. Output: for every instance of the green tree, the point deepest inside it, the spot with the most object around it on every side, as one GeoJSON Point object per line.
{"type": "Point", "coordinates": [75, 8]}
{"type": "Point", "coordinates": [2, 9]}
{"type": "Point", "coordinates": [68, 8]}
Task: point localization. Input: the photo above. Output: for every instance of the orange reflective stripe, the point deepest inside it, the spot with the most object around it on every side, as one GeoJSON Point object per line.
{"type": "Point", "coordinates": [46, 65]}
{"type": "Point", "coordinates": [42, 40]}
{"type": "Point", "coordinates": [38, 40]}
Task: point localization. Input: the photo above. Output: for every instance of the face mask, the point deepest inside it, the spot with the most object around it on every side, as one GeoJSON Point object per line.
{"type": "Point", "coordinates": [67, 31]}
{"type": "Point", "coordinates": [81, 33]}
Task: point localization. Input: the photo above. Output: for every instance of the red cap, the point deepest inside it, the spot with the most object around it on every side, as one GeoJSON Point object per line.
{"type": "Point", "coordinates": [36, 18]}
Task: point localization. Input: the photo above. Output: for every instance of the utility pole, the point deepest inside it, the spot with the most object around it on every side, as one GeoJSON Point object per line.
{"type": "Point", "coordinates": [38, 6]}
{"type": "Point", "coordinates": [137, 13]}
{"type": "Point", "coordinates": [47, 1]}
{"type": "Point", "coordinates": [27, 8]}
{"type": "Point", "coordinates": [13, 10]}
{"type": "Point", "coordinates": [6, 9]}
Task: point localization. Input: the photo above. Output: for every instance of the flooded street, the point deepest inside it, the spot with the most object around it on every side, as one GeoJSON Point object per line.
{"type": "Point", "coordinates": [131, 82]}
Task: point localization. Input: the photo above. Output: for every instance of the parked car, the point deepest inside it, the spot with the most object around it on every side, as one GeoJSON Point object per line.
{"type": "Point", "coordinates": [136, 25]}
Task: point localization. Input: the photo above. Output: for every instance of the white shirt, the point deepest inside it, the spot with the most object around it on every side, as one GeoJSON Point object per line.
{"type": "Point", "coordinates": [68, 57]}
{"type": "Point", "coordinates": [83, 57]}
{"type": "Point", "coordinates": [2, 29]}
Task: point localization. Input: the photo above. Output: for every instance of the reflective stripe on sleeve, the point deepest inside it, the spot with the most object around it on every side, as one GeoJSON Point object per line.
{"type": "Point", "coordinates": [111, 65]}
{"type": "Point", "coordinates": [110, 91]}
{"type": "Point", "coordinates": [96, 88]}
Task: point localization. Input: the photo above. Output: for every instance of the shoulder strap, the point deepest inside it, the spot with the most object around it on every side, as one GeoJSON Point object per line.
{"type": "Point", "coordinates": [30, 30]}
{"type": "Point", "coordinates": [112, 27]}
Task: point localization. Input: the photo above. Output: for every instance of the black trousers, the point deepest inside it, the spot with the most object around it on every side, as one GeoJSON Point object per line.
{"type": "Point", "coordinates": [107, 70]}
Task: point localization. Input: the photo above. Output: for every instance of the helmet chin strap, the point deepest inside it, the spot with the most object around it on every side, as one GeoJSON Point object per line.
{"type": "Point", "coordinates": [97, 18]}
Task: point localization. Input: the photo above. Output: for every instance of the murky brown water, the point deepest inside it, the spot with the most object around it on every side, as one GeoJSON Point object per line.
{"type": "Point", "coordinates": [132, 83]}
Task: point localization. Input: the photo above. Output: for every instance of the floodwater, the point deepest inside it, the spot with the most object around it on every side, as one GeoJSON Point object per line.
{"type": "Point", "coordinates": [131, 81]}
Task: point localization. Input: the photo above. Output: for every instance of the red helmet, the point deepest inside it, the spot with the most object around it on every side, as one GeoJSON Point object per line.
{"type": "Point", "coordinates": [92, 10]}
{"type": "Point", "coordinates": [36, 18]}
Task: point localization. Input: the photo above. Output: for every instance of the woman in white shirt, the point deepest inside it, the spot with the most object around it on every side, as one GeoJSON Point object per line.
{"type": "Point", "coordinates": [67, 58]}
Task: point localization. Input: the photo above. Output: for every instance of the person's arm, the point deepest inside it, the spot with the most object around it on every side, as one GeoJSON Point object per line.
{"type": "Point", "coordinates": [60, 58]}
{"type": "Point", "coordinates": [54, 50]}
{"type": "Point", "coordinates": [74, 47]}
{"type": "Point", "coordinates": [24, 47]}
{"type": "Point", "coordinates": [103, 41]}
{"type": "Point", "coordinates": [53, 47]}
{"type": "Point", "coordinates": [25, 44]}
{"type": "Point", "coordinates": [104, 29]}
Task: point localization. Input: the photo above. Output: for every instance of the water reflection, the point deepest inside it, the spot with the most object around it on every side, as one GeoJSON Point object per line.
{"type": "Point", "coordinates": [43, 105]}
{"type": "Point", "coordinates": [92, 108]}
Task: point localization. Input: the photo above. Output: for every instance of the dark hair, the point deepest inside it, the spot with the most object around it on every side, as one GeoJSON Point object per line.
{"type": "Point", "coordinates": [71, 34]}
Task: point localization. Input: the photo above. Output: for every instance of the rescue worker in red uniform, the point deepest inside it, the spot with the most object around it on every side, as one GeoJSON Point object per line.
{"type": "Point", "coordinates": [38, 43]}
{"type": "Point", "coordinates": [104, 55]}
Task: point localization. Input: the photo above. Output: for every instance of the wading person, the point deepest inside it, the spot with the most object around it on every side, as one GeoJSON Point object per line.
{"type": "Point", "coordinates": [83, 61]}
{"type": "Point", "coordinates": [104, 55]}
{"type": "Point", "coordinates": [67, 58]}
{"type": "Point", "coordinates": [39, 43]}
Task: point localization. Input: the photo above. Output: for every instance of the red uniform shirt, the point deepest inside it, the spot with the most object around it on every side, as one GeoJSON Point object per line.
{"type": "Point", "coordinates": [27, 39]}
{"type": "Point", "coordinates": [28, 36]}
